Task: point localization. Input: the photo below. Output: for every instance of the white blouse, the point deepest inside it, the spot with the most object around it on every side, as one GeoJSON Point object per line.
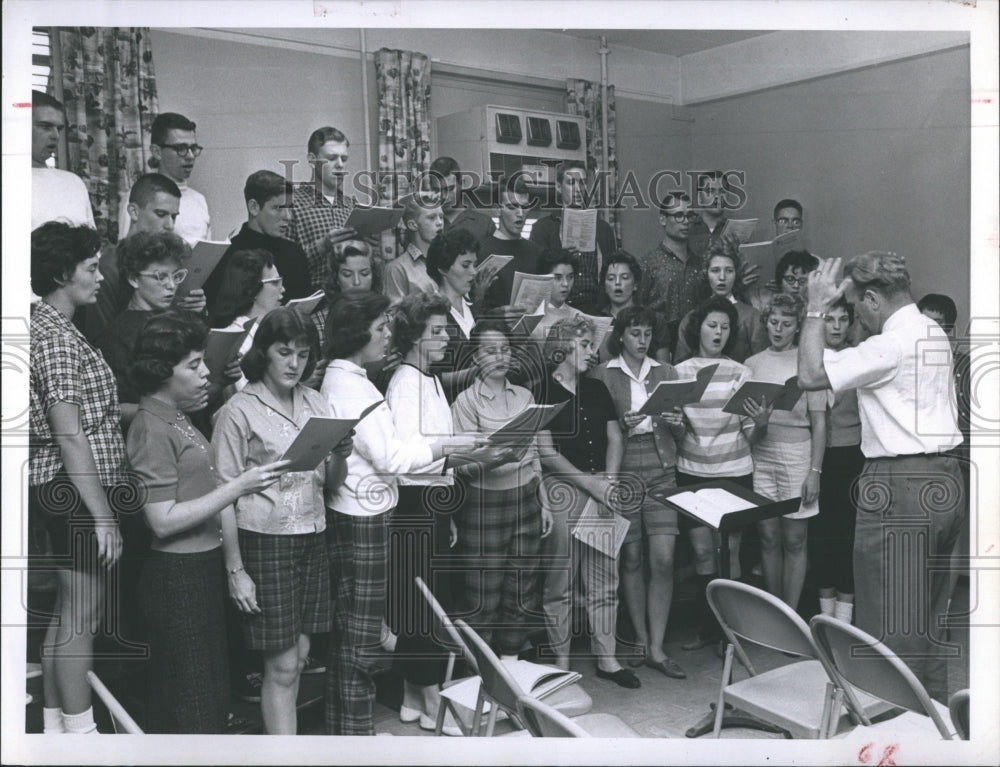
{"type": "Point", "coordinates": [379, 454]}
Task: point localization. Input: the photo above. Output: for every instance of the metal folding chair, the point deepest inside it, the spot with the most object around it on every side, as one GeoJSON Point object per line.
{"type": "Point", "coordinates": [543, 721]}
{"type": "Point", "coordinates": [799, 698]}
{"type": "Point", "coordinates": [859, 659]}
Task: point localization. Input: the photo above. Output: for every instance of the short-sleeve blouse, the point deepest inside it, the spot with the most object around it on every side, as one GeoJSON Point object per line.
{"type": "Point", "coordinates": [253, 430]}
{"type": "Point", "coordinates": [64, 367]}
{"type": "Point", "coordinates": [172, 461]}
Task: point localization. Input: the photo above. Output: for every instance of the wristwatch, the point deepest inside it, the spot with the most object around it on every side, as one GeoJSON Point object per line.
{"type": "Point", "coordinates": [817, 315]}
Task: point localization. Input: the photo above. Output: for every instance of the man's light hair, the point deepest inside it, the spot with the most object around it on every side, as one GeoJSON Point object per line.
{"type": "Point", "coordinates": [882, 272]}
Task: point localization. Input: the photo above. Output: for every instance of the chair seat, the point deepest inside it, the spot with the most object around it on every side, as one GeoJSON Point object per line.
{"type": "Point", "coordinates": [907, 726]}
{"type": "Point", "coordinates": [571, 700]}
{"type": "Point", "coordinates": [791, 697]}
{"type": "Point", "coordinates": [605, 726]}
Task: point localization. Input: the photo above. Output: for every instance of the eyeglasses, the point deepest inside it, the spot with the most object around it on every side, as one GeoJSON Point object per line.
{"type": "Point", "coordinates": [166, 279]}
{"type": "Point", "coordinates": [789, 221]}
{"type": "Point", "coordinates": [791, 280]}
{"type": "Point", "coordinates": [184, 149]}
{"type": "Point", "coordinates": [276, 280]}
{"type": "Point", "coordinates": [680, 218]}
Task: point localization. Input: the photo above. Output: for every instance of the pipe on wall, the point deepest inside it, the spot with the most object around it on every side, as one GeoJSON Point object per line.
{"type": "Point", "coordinates": [370, 146]}
{"type": "Point", "coordinates": [604, 51]}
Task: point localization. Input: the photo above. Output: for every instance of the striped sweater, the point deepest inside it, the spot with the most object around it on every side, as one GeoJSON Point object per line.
{"type": "Point", "coordinates": [715, 443]}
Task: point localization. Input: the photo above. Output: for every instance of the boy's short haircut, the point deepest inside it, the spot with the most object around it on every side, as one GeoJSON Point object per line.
{"type": "Point", "coordinates": [265, 185]}
{"type": "Point", "coordinates": [148, 185]}
{"type": "Point", "coordinates": [940, 304]}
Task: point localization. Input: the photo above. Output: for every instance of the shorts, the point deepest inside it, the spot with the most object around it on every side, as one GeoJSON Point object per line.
{"type": "Point", "coordinates": [642, 461]}
{"type": "Point", "coordinates": [292, 577]}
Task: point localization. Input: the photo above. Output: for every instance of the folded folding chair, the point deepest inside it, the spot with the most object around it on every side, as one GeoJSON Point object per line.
{"type": "Point", "coordinates": [798, 698]}
{"type": "Point", "coordinates": [123, 723]}
{"type": "Point", "coordinates": [543, 721]}
{"type": "Point", "coordinates": [460, 695]}
{"type": "Point", "coordinates": [859, 659]}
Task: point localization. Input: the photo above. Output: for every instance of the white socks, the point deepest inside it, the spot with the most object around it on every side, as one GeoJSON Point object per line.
{"type": "Point", "coordinates": [826, 605]}
{"type": "Point", "coordinates": [80, 724]}
{"type": "Point", "coordinates": [52, 721]}
{"type": "Point", "coordinates": [844, 611]}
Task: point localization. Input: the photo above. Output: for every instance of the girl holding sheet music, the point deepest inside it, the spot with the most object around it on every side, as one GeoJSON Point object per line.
{"type": "Point", "coordinates": [152, 267]}
{"type": "Point", "coordinates": [716, 444]}
{"type": "Point", "coordinates": [649, 463]}
{"type": "Point", "coordinates": [250, 288]}
{"type": "Point", "coordinates": [788, 460]}
{"type": "Point", "coordinates": [451, 263]}
{"type": "Point", "coordinates": [501, 523]}
{"type": "Point", "coordinates": [581, 454]}
{"type": "Point", "coordinates": [422, 525]}
{"type": "Point", "coordinates": [182, 583]}
{"type": "Point", "coordinates": [358, 332]}
{"type": "Point", "coordinates": [277, 559]}
{"type": "Point", "coordinates": [723, 266]}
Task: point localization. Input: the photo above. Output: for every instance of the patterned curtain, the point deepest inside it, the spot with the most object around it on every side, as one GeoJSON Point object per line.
{"type": "Point", "coordinates": [583, 97]}
{"type": "Point", "coordinates": [404, 112]}
{"type": "Point", "coordinates": [109, 89]}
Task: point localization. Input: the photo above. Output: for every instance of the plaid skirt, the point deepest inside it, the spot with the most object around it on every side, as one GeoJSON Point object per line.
{"type": "Point", "coordinates": [292, 576]}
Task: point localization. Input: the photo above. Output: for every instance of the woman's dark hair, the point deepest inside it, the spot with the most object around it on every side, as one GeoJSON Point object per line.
{"type": "Point", "coordinates": [56, 249]}
{"type": "Point", "coordinates": [629, 317]}
{"type": "Point", "coordinates": [347, 324]}
{"type": "Point", "coordinates": [281, 325]}
{"type": "Point", "coordinates": [552, 258]}
{"type": "Point", "coordinates": [692, 333]}
{"type": "Point", "coordinates": [794, 259]}
{"type": "Point", "coordinates": [847, 306]}
{"type": "Point", "coordinates": [411, 315]}
{"type": "Point", "coordinates": [337, 257]}
{"type": "Point", "coordinates": [166, 339]}
{"type": "Point", "coordinates": [240, 284]}
{"type": "Point", "coordinates": [445, 249]}
{"type": "Point", "coordinates": [620, 257]}
{"type": "Point", "coordinates": [139, 250]}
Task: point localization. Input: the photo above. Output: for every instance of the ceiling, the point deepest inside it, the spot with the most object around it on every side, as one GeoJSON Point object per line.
{"type": "Point", "coordinates": [672, 42]}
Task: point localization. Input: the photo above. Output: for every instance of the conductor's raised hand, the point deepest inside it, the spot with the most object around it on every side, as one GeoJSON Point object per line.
{"type": "Point", "coordinates": [824, 289]}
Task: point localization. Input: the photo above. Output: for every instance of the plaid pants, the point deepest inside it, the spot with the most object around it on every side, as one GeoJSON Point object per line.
{"type": "Point", "coordinates": [358, 550]}
{"type": "Point", "coordinates": [500, 538]}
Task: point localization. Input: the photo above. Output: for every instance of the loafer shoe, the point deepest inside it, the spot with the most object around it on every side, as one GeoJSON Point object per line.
{"type": "Point", "coordinates": [623, 677]}
{"type": "Point", "coordinates": [668, 667]}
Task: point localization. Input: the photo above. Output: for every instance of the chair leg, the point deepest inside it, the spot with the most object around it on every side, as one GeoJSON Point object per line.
{"type": "Point", "coordinates": [477, 717]}
{"type": "Point", "coordinates": [727, 669]}
{"type": "Point", "coordinates": [492, 720]}
{"type": "Point", "coordinates": [439, 721]}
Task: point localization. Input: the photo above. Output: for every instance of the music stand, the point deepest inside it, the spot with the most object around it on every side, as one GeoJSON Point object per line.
{"type": "Point", "coordinates": [734, 520]}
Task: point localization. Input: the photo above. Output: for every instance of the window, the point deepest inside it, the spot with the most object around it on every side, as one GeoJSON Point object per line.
{"type": "Point", "coordinates": [41, 59]}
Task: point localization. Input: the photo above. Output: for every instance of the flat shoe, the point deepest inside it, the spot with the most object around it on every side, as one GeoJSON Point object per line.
{"type": "Point", "coordinates": [427, 723]}
{"type": "Point", "coordinates": [622, 677]}
{"type": "Point", "coordinates": [668, 667]}
{"type": "Point", "coordinates": [697, 643]}
{"type": "Point", "coordinates": [407, 714]}
{"type": "Point", "coordinates": [637, 660]}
